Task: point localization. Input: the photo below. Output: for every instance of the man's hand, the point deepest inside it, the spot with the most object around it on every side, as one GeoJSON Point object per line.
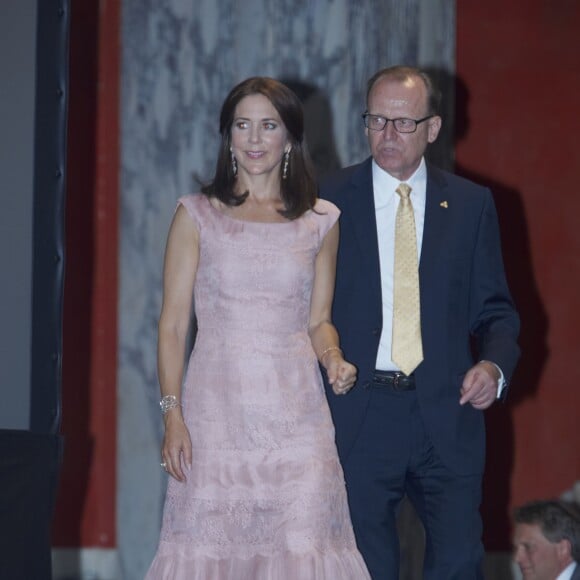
{"type": "Point", "coordinates": [480, 385]}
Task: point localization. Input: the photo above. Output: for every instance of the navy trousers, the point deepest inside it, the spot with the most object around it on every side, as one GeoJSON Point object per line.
{"type": "Point", "coordinates": [393, 456]}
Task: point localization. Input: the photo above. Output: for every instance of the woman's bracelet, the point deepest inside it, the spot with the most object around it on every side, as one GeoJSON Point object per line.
{"type": "Point", "coordinates": [327, 350]}
{"type": "Point", "coordinates": [168, 402]}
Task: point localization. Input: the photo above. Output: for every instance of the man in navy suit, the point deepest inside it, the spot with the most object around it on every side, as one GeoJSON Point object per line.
{"type": "Point", "coordinates": [421, 433]}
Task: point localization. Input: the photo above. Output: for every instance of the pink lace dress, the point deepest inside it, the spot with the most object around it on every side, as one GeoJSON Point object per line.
{"type": "Point", "coordinates": [265, 498]}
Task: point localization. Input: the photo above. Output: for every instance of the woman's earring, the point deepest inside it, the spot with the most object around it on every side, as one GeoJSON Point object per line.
{"type": "Point", "coordinates": [285, 168]}
{"type": "Point", "coordinates": [234, 165]}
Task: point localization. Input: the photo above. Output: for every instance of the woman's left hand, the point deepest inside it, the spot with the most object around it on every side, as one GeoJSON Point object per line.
{"type": "Point", "coordinates": [341, 374]}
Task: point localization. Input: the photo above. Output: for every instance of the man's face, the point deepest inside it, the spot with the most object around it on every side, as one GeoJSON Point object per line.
{"type": "Point", "coordinates": [399, 154]}
{"type": "Point", "coordinates": [538, 558]}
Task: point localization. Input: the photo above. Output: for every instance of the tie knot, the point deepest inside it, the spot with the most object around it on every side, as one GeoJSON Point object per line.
{"type": "Point", "coordinates": [404, 190]}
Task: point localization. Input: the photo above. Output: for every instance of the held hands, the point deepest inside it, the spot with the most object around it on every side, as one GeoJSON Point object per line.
{"type": "Point", "coordinates": [341, 374]}
{"type": "Point", "coordinates": [176, 448]}
{"type": "Point", "coordinates": [480, 385]}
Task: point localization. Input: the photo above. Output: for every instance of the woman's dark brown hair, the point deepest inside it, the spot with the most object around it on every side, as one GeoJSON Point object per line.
{"type": "Point", "coordinates": [299, 189]}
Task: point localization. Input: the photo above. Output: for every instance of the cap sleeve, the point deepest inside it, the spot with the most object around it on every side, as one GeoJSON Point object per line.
{"type": "Point", "coordinates": [192, 204]}
{"type": "Point", "coordinates": [327, 215]}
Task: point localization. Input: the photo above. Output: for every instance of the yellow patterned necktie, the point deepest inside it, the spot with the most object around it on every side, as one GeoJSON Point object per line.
{"type": "Point", "coordinates": [407, 350]}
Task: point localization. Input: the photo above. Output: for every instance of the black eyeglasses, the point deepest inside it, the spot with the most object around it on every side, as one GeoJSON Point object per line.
{"type": "Point", "coordinates": [378, 123]}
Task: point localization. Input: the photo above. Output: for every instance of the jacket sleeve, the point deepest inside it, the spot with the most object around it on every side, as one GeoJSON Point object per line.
{"type": "Point", "coordinates": [494, 320]}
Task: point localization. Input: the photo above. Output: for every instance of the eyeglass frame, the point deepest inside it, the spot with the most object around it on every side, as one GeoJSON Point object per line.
{"type": "Point", "coordinates": [416, 121]}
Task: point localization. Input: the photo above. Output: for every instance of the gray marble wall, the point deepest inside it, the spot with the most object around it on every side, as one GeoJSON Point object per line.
{"type": "Point", "coordinates": [180, 58]}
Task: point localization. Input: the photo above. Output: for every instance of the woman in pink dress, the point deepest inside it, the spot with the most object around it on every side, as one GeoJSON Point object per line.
{"type": "Point", "coordinates": [256, 489]}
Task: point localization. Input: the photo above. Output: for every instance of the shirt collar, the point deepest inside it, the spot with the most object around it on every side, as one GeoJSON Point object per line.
{"type": "Point", "coordinates": [384, 185]}
{"type": "Point", "coordinates": [567, 572]}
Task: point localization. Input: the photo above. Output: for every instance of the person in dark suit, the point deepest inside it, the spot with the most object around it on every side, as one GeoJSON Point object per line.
{"type": "Point", "coordinates": [547, 540]}
{"type": "Point", "coordinates": [419, 432]}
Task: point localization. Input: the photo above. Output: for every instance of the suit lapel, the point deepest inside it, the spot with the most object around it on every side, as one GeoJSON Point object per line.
{"type": "Point", "coordinates": [436, 221]}
{"type": "Point", "coordinates": [360, 209]}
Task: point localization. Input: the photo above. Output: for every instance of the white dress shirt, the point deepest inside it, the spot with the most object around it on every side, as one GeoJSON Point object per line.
{"type": "Point", "coordinates": [566, 574]}
{"type": "Point", "coordinates": [386, 204]}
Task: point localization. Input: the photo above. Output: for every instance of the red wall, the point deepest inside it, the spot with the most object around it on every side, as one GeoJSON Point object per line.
{"type": "Point", "coordinates": [85, 513]}
{"type": "Point", "coordinates": [518, 103]}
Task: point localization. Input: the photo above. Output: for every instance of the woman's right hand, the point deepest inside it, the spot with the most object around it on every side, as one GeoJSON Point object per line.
{"type": "Point", "coordinates": [176, 448]}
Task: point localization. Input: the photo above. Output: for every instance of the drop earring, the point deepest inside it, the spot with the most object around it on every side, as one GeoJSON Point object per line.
{"type": "Point", "coordinates": [234, 165]}
{"type": "Point", "coordinates": [285, 167]}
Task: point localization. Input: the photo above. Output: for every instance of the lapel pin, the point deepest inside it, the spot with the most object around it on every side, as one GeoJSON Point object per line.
{"type": "Point", "coordinates": [444, 204]}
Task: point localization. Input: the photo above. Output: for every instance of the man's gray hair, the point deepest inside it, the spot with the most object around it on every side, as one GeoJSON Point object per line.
{"type": "Point", "coordinates": [558, 520]}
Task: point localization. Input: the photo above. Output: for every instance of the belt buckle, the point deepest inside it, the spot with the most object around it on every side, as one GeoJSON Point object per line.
{"type": "Point", "coordinates": [396, 378]}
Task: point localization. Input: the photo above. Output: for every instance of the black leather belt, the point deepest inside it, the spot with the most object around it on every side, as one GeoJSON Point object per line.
{"type": "Point", "coordinates": [396, 380]}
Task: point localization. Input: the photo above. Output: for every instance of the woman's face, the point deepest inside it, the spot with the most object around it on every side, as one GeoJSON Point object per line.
{"type": "Point", "coordinates": [258, 137]}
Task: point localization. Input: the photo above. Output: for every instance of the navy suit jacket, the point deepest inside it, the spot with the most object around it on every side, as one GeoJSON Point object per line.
{"type": "Point", "coordinates": [464, 300]}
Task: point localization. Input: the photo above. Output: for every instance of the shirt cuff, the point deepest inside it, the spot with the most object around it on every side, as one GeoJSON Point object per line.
{"type": "Point", "coordinates": [500, 382]}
